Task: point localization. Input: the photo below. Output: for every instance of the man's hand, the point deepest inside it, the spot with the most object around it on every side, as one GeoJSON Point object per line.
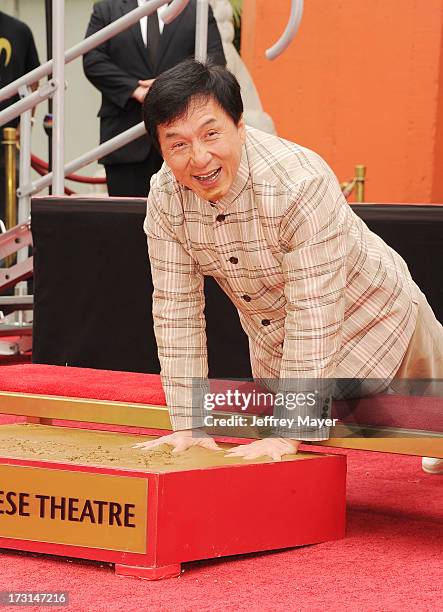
{"type": "Point", "coordinates": [271, 447]}
{"type": "Point", "coordinates": [181, 441]}
{"type": "Point", "coordinates": [146, 83]}
{"type": "Point", "coordinates": [140, 92]}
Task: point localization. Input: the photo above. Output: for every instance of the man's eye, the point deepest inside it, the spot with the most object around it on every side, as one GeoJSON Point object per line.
{"type": "Point", "coordinates": [178, 145]}
{"type": "Point", "coordinates": [212, 133]}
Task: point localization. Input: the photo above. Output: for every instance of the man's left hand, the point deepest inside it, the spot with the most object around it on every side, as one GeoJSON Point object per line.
{"type": "Point", "coordinates": [271, 447]}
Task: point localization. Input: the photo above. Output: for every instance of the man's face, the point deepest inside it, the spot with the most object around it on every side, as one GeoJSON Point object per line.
{"type": "Point", "coordinates": [203, 149]}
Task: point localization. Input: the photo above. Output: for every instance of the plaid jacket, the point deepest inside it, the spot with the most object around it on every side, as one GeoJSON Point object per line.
{"type": "Point", "coordinates": [319, 295]}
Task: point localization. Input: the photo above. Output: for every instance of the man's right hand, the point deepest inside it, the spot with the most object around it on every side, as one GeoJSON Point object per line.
{"type": "Point", "coordinates": [143, 87]}
{"type": "Point", "coordinates": [181, 441]}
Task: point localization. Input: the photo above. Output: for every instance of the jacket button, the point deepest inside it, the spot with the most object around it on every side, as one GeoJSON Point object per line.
{"type": "Point", "coordinates": [247, 298]}
{"type": "Point", "coordinates": [220, 218]}
{"type": "Point", "coordinates": [266, 322]}
{"type": "Point", "coordinates": [233, 260]}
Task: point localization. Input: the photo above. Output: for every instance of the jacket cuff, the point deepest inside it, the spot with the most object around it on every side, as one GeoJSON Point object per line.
{"type": "Point", "coordinates": [183, 421]}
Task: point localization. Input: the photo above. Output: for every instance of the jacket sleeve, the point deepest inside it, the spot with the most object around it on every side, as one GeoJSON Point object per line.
{"type": "Point", "coordinates": [215, 46]}
{"type": "Point", "coordinates": [314, 268]}
{"type": "Point", "coordinates": [179, 322]}
{"type": "Point", "coordinates": [99, 67]}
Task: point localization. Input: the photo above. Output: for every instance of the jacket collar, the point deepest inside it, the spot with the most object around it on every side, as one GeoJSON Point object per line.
{"type": "Point", "coordinates": [241, 181]}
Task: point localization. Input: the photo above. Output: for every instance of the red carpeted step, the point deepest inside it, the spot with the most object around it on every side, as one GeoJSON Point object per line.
{"type": "Point", "coordinates": [131, 387]}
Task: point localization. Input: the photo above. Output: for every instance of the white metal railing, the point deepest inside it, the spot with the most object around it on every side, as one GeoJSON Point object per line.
{"type": "Point", "coordinates": [289, 32]}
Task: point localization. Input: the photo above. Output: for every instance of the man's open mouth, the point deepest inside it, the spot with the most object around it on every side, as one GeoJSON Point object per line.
{"type": "Point", "coordinates": [210, 177]}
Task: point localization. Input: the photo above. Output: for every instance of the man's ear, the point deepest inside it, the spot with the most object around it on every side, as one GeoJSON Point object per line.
{"type": "Point", "coordinates": [242, 129]}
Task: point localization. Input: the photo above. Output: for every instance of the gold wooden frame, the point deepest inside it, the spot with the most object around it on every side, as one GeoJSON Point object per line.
{"type": "Point", "coordinates": [44, 408]}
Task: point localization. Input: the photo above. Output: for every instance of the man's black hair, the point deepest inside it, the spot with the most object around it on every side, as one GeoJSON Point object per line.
{"type": "Point", "coordinates": [171, 93]}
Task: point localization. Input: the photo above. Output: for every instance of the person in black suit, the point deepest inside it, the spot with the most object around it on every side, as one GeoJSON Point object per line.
{"type": "Point", "coordinates": [18, 55]}
{"type": "Point", "coordinates": [123, 68]}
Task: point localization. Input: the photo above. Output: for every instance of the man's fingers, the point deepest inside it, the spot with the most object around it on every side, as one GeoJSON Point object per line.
{"type": "Point", "coordinates": [151, 444]}
{"type": "Point", "coordinates": [240, 451]}
{"type": "Point", "coordinates": [181, 446]}
{"type": "Point", "coordinates": [236, 449]}
{"type": "Point", "coordinates": [236, 454]}
{"type": "Point", "coordinates": [251, 454]}
{"type": "Point", "coordinates": [180, 442]}
{"type": "Point", "coordinates": [276, 456]}
{"type": "Point", "coordinates": [145, 445]}
{"type": "Point", "coordinates": [209, 443]}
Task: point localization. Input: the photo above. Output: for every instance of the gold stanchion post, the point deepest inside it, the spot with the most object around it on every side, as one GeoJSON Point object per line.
{"type": "Point", "coordinates": [10, 144]}
{"type": "Point", "coordinates": [360, 174]}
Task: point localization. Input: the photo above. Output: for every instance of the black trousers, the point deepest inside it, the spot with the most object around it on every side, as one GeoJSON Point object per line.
{"type": "Point", "coordinates": [132, 180]}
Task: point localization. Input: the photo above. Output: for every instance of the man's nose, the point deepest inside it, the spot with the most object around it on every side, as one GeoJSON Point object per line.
{"type": "Point", "coordinates": [200, 155]}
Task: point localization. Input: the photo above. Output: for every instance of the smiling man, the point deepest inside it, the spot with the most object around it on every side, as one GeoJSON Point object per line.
{"type": "Point", "coordinates": [318, 294]}
{"type": "Point", "coordinates": [210, 169]}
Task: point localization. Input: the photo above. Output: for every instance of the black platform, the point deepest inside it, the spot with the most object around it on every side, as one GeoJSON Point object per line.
{"type": "Point", "coordinates": [92, 283]}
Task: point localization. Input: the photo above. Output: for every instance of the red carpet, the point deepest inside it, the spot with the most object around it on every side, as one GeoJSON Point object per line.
{"type": "Point", "coordinates": [389, 561]}
{"type": "Point", "coordinates": [83, 383]}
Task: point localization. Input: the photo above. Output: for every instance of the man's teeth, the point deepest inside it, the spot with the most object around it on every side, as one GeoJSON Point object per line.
{"type": "Point", "coordinates": [206, 177]}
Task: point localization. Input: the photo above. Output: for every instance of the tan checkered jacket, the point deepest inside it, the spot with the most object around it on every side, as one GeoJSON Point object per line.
{"type": "Point", "coordinates": [319, 295]}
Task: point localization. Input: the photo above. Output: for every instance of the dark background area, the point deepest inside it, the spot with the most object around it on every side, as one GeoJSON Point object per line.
{"type": "Point", "coordinates": [92, 283]}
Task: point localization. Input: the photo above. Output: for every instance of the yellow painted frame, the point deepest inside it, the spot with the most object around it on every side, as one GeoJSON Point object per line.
{"type": "Point", "coordinates": [47, 407]}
